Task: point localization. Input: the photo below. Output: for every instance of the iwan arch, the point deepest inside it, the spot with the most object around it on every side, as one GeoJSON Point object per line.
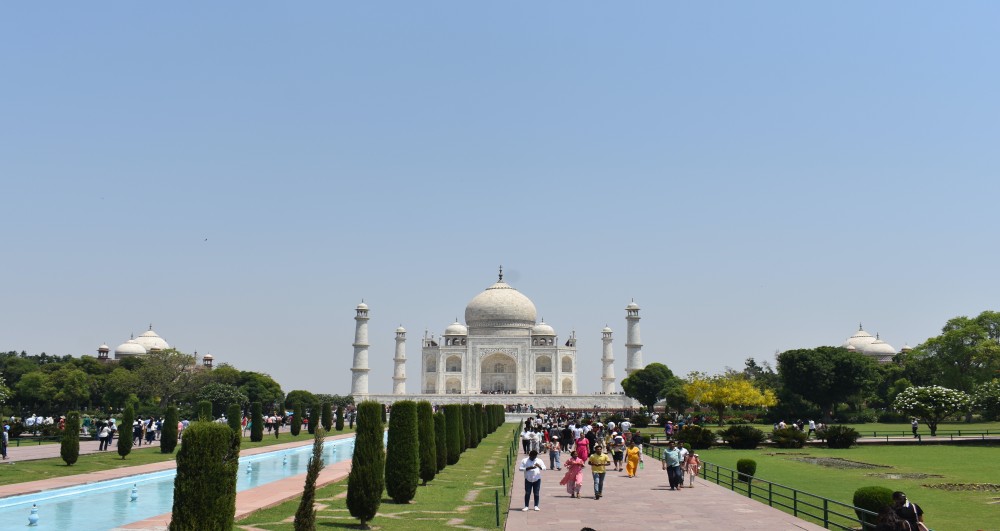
{"type": "Point", "coordinates": [502, 354]}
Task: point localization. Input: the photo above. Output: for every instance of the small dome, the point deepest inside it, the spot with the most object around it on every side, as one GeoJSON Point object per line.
{"type": "Point", "coordinates": [208, 357]}
{"type": "Point", "coordinates": [542, 329]}
{"type": "Point", "coordinates": [401, 330]}
{"type": "Point", "coordinates": [130, 348]}
{"type": "Point", "coordinates": [906, 348]}
{"type": "Point", "coordinates": [150, 341]}
{"type": "Point", "coordinates": [850, 347]}
{"type": "Point", "coordinates": [860, 340]}
{"type": "Point", "coordinates": [103, 348]}
{"type": "Point", "coordinates": [607, 330]}
{"type": "Point", "coordinates": [879, 347]}
{"type": "Point", "coordinates": [632, 306]}
{"type": "Point", "coordinates": [456, 329]}
{"type": "Point", "coordinates": [362, 306]}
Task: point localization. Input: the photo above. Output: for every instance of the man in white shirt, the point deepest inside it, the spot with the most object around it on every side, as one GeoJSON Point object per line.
{"type": "Point", "coordinates": [532, 467]}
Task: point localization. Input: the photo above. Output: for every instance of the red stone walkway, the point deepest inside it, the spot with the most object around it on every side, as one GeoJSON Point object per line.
{"type": "Point", "coordinates": [644, 502]}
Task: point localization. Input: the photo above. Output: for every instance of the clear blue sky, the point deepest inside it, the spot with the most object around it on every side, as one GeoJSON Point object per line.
{"type": "Point", "coordinates": [759, 176]}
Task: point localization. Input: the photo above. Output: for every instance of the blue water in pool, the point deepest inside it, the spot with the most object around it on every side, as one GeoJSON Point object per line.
{"type": "Point", "coordinates": [106, 505]}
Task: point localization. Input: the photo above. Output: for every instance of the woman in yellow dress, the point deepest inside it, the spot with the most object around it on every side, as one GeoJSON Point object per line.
{"type": "Point", "coordinates": [631, 459]}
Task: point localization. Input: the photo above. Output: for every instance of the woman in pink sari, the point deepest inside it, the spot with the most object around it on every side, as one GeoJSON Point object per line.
{"type": "Point", "coordinates": [583, 448]}
{"type": "Point", "coordinates": [574, 476]}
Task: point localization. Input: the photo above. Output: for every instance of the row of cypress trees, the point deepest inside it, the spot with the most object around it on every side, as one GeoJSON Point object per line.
{"type": "Point", "coordinates": [420, 444]}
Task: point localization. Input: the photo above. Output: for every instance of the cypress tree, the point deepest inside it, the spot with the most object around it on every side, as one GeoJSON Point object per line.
{"type": "Point", "coordinates": [305, 516]}
{"type": "Point", "coordinates": [366, 480]}
{"type": "Point", "coordinates": [402, 461]}
{"type": "Point", "coordinates": [384, 413]}
{"type": "Point", "coordinates": [340, 418]}
{"type": "Point", "coordinates": [466, 427]}
{"type": "Point", "coordinates": [441, 440]}
{"type": "Point", "coordinates": [168, 433]}
{"type": "Point", "coordinates": [205, 410]}
{"type": "Point", "coordinates": [477, 424]}
{"type": "Point", "coordinates": [297, 413]}
{"type": "Point", "coordinates": [428, 446]}
{"type": "Point", "coordinates": [326, 416]}
{"type": "Point", "coordinates": [125, 431]}
{"type": "Point", "coordinates": [313, 418]}
{"type": "Point", "coordinates": [234, 417]}
{"type": "Point", "coordinates": [70, 448]}
{"type": "Point", "coordinates": [256, 422]}
{"type": "Point", "coordinates": [453, 421]}
{"type": "Point", "coordinates": [205, 485]}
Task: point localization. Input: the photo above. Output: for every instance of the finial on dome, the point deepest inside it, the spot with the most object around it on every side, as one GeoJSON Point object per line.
{"type": "Point", "coordinates": [151, 326]}
{"type": "Point", "coordinates": [860, 328]}
{"type": "Point", "coordinates": [876, 335]}
{"type": "Point", "coordinates": [131, 336]}
{"type": "Point", "coordinates": [501, 274]}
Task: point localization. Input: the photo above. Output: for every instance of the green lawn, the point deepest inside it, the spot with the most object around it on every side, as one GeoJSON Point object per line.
{"type": "Point", "coordinates": [51, 468]}
{"type": "Point", "coordinates": [946, 509]}
{"type": "Point", "coordinates": [461, 496]}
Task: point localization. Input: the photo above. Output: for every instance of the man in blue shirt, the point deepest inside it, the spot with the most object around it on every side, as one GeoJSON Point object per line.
{"type": "Point", "coordinates": [672, 464]}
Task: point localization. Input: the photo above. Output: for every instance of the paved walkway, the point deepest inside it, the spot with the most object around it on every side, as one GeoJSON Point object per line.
{"type": "Point", "coordinates": [646, 502]}
{"type": "Point", "coordinates": [31, 450]}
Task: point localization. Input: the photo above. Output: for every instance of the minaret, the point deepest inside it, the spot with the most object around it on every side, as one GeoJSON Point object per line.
{"type": "Point", "coordinates": [399, 375]}
{"type": "Point", "coordinates": [633, 344]}
{"type": "Point", "coordinates": [359, 378]}
{"type": "Point", "coordinates": [608, 376]}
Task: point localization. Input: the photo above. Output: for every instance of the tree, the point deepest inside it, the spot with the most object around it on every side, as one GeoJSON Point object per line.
{"type": "Point", "coordinates": [722, 391]}
{"type": "Point", "coordinates": [119, 385]}
{"type": "Point", "coordinates": [647, 385]}
{"type": "Point", "coordinates": [366, 481]}
{"type": "Point", "coordinates": [167, 374]}
{"type": "Point", "coordinates": [453, 421]}
{"type": "Point", "coordinates": [326, 416]}
{"type": "Point", "coordinates": [305, 399]}
{"type": "Point", "coordinates": [402, 462]}
{"type": "Point", "coordinates": [966, 353]}
{"type": "Point", "coordinates": [125, 431]}
{"type": "Point", "coordinates": [72, 386]}
{"type": "Point", "coordinates": [205, 410]}
{"type": "Point", "coordinates": [466, 426]}
{"type": "Point", "coordinates": [5, 392]}
{"type": "Point", "coordinates": [987, 399]}
{"type": "Point", "coordinates": [234, 417]}
{"type": "Point", "coordinates": [428, 445]}
{"type": "Point", "coordinates": [256, 422]}
{"type": "Point", "coordinates": [259, 387]}
{"type": "Point", "coordinates": [297, 411]}
{"type": "Point", "coordinates": [825, 376]}
{"type": "Point", "coordinates": [313, 418]}
{"type": "Point", "coordinates": [931, 404]}
{"type": "Point", "coordinates": [35, 388]}
{"type": "Point", "coordinates": [340, 418]}
{"type": "Point", "coordinates": [221, 396]}
{"type": "Point", "coordinates": [441, 440]}
{"type": "Point", "coordinates": [205, 485]}
{"type": "Point", "coordinates": [305, 515]}
{"type": "Point", "coordinates": [70, 448]}
{"type": "Point", "coordinates": [168, 433]}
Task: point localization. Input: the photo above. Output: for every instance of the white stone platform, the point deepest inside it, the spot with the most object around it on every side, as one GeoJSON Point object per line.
{"type": "Point", "coordinates": [536, 401]}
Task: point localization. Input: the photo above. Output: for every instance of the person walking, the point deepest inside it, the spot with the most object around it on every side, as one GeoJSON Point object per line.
{"type": "Point", "coordinates": [910, 512]}
{"type": "Point", "coordinates": [913, 426]}
{"type": "Point", "coordinates": [532, 468]}
{"type": "Point", "coordinates": [693, 466]}
{"type": "Point", "coordinates": [4, 441]}
{"type": "Point", "coordinates": [573, 479]}
{"type": "Point", "coordinates": [583, 448]}
{"type": "Point", "coordinates": [526, 440]}
{"type": "Point", "coordinates": [672, 464]}
{"type": "Point", "coordinates": [555, 452]}
{"type": "Point", "coordinates": [598, 463]}
{"type": "Point", "coordinates": [618, 451]}
{"type": "Point", "coordinates": [105, 437]}
{"type": "Point", "coordinates": [631, 459]}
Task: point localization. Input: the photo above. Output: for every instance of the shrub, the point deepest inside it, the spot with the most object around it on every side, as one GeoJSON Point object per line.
{"type": "Point", "coordinates": [339, 424]}
{"type": "Point", "coordinates": [256, 422]}
{"type": "Point", "coordinates": [125, 431]}
{"type": "Point", "coordinates": [367, 480]}
{"type": "Point", "coordinates": [892, 417]}
{"type": "Point", "coordinates": [70, 448]}
{"type": "Point", "coordinates": [168, 433]}
{"type": "Point", "coordinates": [297, 412]}
{"type": "Point", "coordinates": [428, 446]}
{"type": "Point", "coordinates": [742, 437]}
{"type": "Point", "coordinates": [205, 485]}
{"type": "Point", "coordinates": [441, 440]}
{"type": "Point", "coordinates": [466, 426]}
{"type": "Point", "coordinates": [639, 421]}
{"type": "Point", "coordinates": [698, 437]}
{"type": "Point", "coordinates": [746, 468]}
{"type": "Point", "coordinates": [789, 438]}
{"type": "Point", "coordinates": [205, 410]}
{"type": "Point", "coordinates": [862, 417]}
{"type": "Point", "coordinates": [453, 421]}
{"type": "Point", "coordinates": [475, 415]}
{"type": "Point", "coordinates": [871, 499]}
{"type": "Point", "coordinates": [313, 419]}
{"type": "Point", "coordinates": [402, 461]}
{"type": "Point", "coordinates": [839, 436]}
{"type": "Point", "coordinates": [326, 416]}
{"type": "Point", "coordinates": [305, 515]}
{"type": "Point", "coordinates": [234, 417]}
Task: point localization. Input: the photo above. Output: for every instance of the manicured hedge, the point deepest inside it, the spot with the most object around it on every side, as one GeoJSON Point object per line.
{"type": "Point", "coordinates": [428, 445]}
{"type": "Point", "coordinates": [326, 416]}
{"type": "Point", "coordinates": [168, 432]}
{"type": "Point", "coordinates": [402, 461]}
{"type": "Point", "coordinates": [205, 410]}
{"type": "Point", "coordinates": [205, 485]}
{"type": "Point", "coordinates": [872, 499]}
{"type": "Point", "coordinates": [256, 422]}
{"type": "Point", "coordinates": [441, 440]}
{"type": "Point", "coordinates": [453, 421]}
{"type": "Point", "coordinates": [746, 468]}
{"type": "Point", "coordinates": [340, 418]}
{"type": "Point", "coordinates": [125, 431]}
{"type": "Point", "coordinates": [366, 480]}
{"type": "Point", "coordinates": [70, 448]}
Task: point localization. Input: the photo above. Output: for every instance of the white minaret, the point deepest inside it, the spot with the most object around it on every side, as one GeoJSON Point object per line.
{"type": "Point", "coordinates": [608, 376]}
{"type": "Point", "coordinates": [399, 374]}
{"type": "Point", "coordinates": [359, 378]}
{"type": "Point", "coordinates": [633, 344]}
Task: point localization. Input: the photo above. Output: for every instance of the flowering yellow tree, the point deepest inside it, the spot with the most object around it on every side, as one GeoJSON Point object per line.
{"type": "Point", "coordinates": [725, 390]}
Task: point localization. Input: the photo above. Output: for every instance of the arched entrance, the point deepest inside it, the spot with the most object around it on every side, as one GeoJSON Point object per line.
{"type": "Point", "coordinates": [498, 373]}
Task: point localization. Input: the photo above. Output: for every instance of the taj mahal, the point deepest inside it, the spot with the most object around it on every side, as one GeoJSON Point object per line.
{"type": "Point", "coordinates": [502, 354]}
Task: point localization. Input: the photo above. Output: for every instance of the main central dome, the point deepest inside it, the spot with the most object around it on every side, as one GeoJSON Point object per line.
{"type": "Point", "coordinates": [500, 305]}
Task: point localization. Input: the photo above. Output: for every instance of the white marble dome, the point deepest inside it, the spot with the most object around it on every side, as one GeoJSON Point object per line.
{"type": "Point", "coordinates": [500, 305]}
{"type": "Point", "coordinates": [130, 348]}
{"type": "Point", "coordinates": [456, 329]}
{"type": "Point", "coordinates": [151, 341]}
{"type": "Point", "coordinates": [542, 329]}
{"type": "Point", "coordinates": [607, 330]}
{"type": "Point", "coordinates": [401, 330]}
{"type": "Point", "coordinates": [880, 347]}
{"type": "Point", "coordinates": [632, 306]}
{"type": "Point", "coordinates": [860, 340]}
